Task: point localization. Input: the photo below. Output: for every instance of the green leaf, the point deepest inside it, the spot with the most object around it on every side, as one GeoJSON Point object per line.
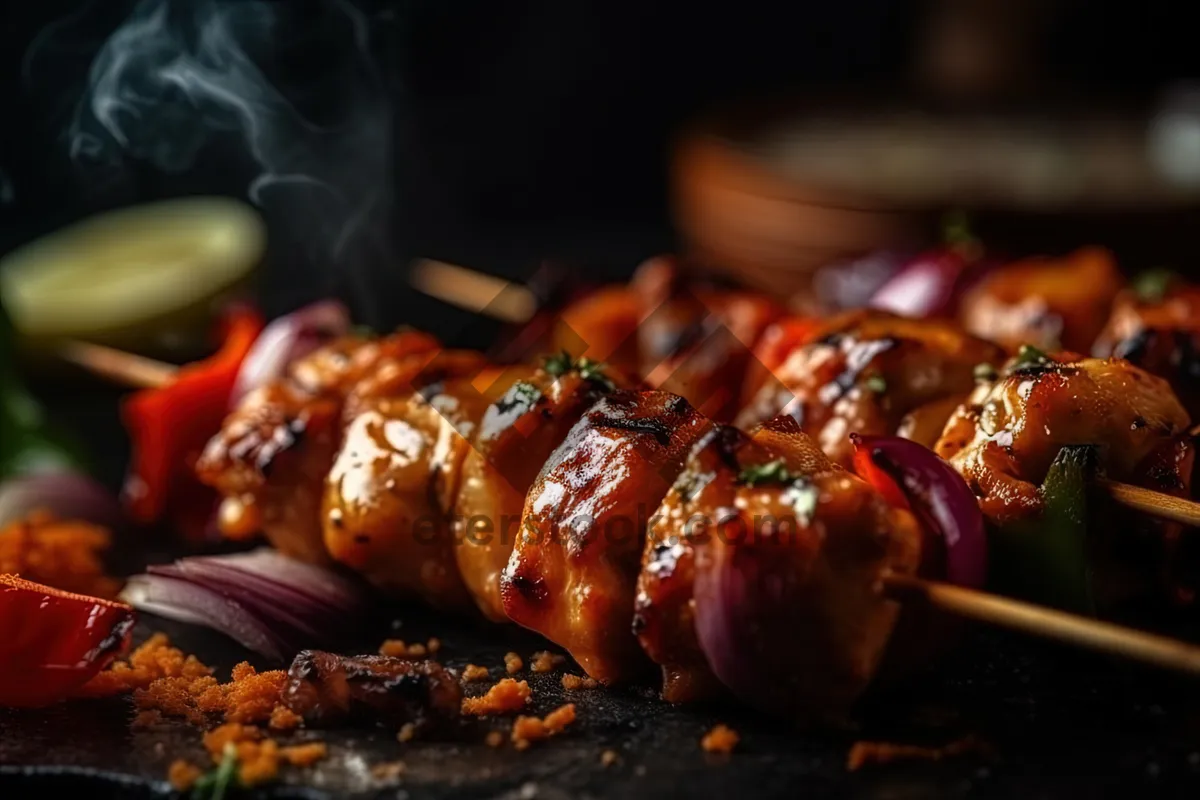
{"type": "Point", "coordinates": [588, 369]}
{"type": "Point", "coordinates": [1027, 356]}
{"type": "Point", "coordinates": [985, 373]}
{"type": "Point", "coordinates": [875, 383]}
{"type": "Point", "coordinates": [215, 783]}
{"type": "Point", "coordinates": [770, 472]}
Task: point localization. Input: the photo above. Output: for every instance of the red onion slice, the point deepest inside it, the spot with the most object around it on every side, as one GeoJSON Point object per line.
{"type": "Point", "coordinates": [68, 495]}
{"type": "Point", "coordinates": [266, 601]}
{"type": "Point", "coordinates": [286, 339]}
{"type": "Point", "coordinates": [930, 285]}
{"type": "Point", "coordinates": [940, 498]}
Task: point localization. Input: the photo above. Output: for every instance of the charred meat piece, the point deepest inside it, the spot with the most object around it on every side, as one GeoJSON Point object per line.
{"type": "Point", "coordinates": [817, 539]}
{"type": "Point", "coordinates": [1004, 439]}
{"type": "Point", "coordinates": [513, 440]}
{"type": "Point", "coordinates": [573, 570]}
{"type": "Point", "coordinates": [272, 454]}
{"type": "Point", "coordinates": [1050, 303]}
{"type": "Point", "coordinates": [865, 372]}
{"type": "Point", "coordinates": [327, 689]}
{"type": "Point", "coordinates": [695, 340]}
{"type": "Point", "coordinates": [390, 493]}
{"type": "Point", "coordinates": [1159, 331]}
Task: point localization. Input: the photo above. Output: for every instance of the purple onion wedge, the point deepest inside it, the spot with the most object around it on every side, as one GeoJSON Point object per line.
{"type": "Point", "coordinates": [286, 339]}
{"type": "Point", "coordinates": [68, 495]}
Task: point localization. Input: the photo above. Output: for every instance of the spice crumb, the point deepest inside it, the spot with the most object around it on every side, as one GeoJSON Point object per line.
{"type": "Point", "coordinates": [284, 719]}
{"type": "Point", "coordinates": [494, 739]}
{"type": "Point", "coordinates": [304, 755]}
{"type": "Point", "coordinates": [183, 774]}
{"type": "Point", "coordinates": [407, 733]}
{"type": "Point", "coordinates": [609, 757]}
{"type": "Point", "coordinates": [396, 648]}
{"type": "Point", "coordinates": [721, 739]}
{"type": "Point", "coordinates": [505, 697]}
{"type": "Point", "coordinates": [513, 663]}
{"type": "Point", "coordinates": [433, 645]}
{"type": "Point", "coordinates": [388, 771]}
{"type": "Point", "coordinates": [532, 729]}
{"type": "Point", "coordinates": [870, 753]}
{"type": "Point", "coordinates": [545, 661]}
{"type": "Point", "coordinates": [574, 682]}
{"type": "Point", "coordinates": [474, 672]}
{"type": "Point", "coordinates": [63, 553]}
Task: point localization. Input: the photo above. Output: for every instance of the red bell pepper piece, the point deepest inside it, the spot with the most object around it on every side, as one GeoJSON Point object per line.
{"type": "Point", "coordinates": [866, 468]}
{"type": "Point", "coordinates": [170, 425]}
{"type": "Point", "coordinates": [52, 642]}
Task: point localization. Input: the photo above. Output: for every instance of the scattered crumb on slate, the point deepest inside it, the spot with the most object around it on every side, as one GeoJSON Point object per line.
{"type": "Point", "coordinates": [396, 648]}
{"type": "Point", "coordinates": [505, 697]}
{"type": "Point", "coordinates": [864, 754]}
{"type": "Point", "coordinates": [721, 739]}
{"type": "Point", "coordinates": [494, 739]}
{"type": "Point", "coordinates": [574, 682]}
{"type": "Point", "coordinates": [609, 757]}
{"type": "Point", "coordinates": [531, 729]}
{"type": "Point", "coordinates": [474, 672]}
{"type": "Point", "coordinates": [513, 663]}
{"type": "Point", "coordinates": [407, 732]}
{"type": "Point", "coordinates": [545, 661]}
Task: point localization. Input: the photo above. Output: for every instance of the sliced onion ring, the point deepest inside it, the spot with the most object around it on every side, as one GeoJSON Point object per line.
{"type": "Point", "coordinates": [941, 500]}
{"type": "Point", "coordinates": [264, 600]}
{"type": "Point", "coordinates": [286, 339]}
{"type": "Point", "coordinates": [929, 285]}
{"type": "Point", "coordinates": [68, 495]}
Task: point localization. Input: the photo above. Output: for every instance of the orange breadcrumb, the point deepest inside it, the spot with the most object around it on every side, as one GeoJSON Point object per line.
{"type": "Point", "coordinates": [494, 739]}
{"type": "Point", "coordinates": [284, 719]}
{"type": "Point", "coordinates": [63, 553]}
{"type": "Point", "coordinates": [433, 645]}
{"type": "Point", "coordinates": [545, 661]}
{"type": "Point", "coordinates": [304, 755]}
{"type": "Point", "coordinates": [513, 663]}
{"type": "Point", "coordinates": [505, 697]}
{"type": "Point", "coordinates": [472, 673]}
{"type": "Point", "coordinates": [153, 660]}
{"type": "Point", "coordinates": [388, 771]}
{"type": "Point", "coordinates": [407, 732]}
{"type": "Point", "coordinates": [396, 648]}
{"type": "Point", "coordinates": [866, 753]}
{"type": "Point", "coordinates": [573, 682]}
{"type": "Point", "coordinates": [183, 774]}
{"type": "Point", "coordinates": [608, 758]}
{"type": "Point", "coordinates": [531, 729]}
{"type": "Point", "coordinates": [721, 739]}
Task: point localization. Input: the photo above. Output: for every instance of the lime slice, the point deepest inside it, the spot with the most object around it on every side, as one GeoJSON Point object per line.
{"type": "Point", "coordinates": [127, 269]}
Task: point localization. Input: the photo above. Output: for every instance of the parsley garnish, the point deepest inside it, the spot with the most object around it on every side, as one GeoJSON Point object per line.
{"type": "Point", "coordinates": [522, 395]}
{"type": "Point", "coordinates": [770, 472]}
{"type": "Point", "coordinates": [875, 383]}
{"type": "Point", "coordinates": [213, 784]}
{"type": "Point", "coordinates": [588, 369]}
{"type": "Point", "coordinates": [1151, 286]}
{"type": "Point", "coordinates": [985, 373]}
{"type": "Point", "coordinates": [1029, 356]}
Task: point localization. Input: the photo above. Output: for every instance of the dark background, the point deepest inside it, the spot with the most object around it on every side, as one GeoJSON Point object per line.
{"type": "Point", "coordinates": [518, 130]}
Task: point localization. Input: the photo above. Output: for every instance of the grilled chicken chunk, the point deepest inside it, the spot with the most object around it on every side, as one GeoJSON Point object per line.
{"type": "Point", "coordinates": [1050, 303]}
{"type": "Point", "coordinates": [697, 341]}
{"type": "Point", "coordinates": [391, 490]}
{"type": "Point", "coordinates": [813, 532]}
{"type": "Point", "coordinates": [1004, 438]}
{"type": "Point", "coordinates": [326, 689]}
{"type": "Point", "coordinates": [864, 372]}
{"type": "Point", "coordinates": [273, 452]}
{"type": "Point", "coordinates": [573, 569]}
{"type": "Point", "coordinates": [1159, 331]}
{"type": "Point", "coordinates": [514, 439]}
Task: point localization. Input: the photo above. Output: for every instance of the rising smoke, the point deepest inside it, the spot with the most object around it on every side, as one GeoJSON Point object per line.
{"type": "Point", "coordinates": [293, 86]}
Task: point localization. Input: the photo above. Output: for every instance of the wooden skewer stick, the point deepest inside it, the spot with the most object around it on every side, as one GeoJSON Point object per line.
{"type": "Point", "coordinates": [119, 366]}
{"type": "Point", "coordinates": [1156, 504]}
{"type": "Point", "coordinates": [1048, 623]}
{"type": "Point", "coordinates": [475, 291]}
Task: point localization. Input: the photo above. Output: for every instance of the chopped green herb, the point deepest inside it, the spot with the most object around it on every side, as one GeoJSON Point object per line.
{"type": "Point", "coordinates": [1029, 356]}
{"type": "Point", "coordinates": [985, 373]}
{"type": "Point", "coordinates": [803, 496]}
{"type": "Point", "coordinates": [956, 229]}
{"type": "Point", "coordinates": [520, 397]}
{"type": "Point", "coordinates": [1151, 286]}
{"type": "Point", "coordinates": [214, 784]}
{"type": "Point", "coordinates": [588, 369]}
{"type": "Point", "coordinates": [875, 383]}
{"type": "Point", "coordinates": [770, 472]}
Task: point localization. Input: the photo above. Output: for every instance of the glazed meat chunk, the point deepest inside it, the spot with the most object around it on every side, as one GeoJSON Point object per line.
{"type": "Point", "coordinates": [865, 372]}
{"type": "Point", "coordinates": [271, 456]}
{"type": "Point", "coordinates": [573, 571]}
{"type": "Point", "coordinates": [390, 493]}
{"type": "Point", "coordinates": [773, 505]}
{"type": "Point", "coordinates": [515, 437]}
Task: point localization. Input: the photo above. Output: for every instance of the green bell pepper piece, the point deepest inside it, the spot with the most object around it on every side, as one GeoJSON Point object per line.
{"type": "Point", "coordinates": [1045, 560]}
